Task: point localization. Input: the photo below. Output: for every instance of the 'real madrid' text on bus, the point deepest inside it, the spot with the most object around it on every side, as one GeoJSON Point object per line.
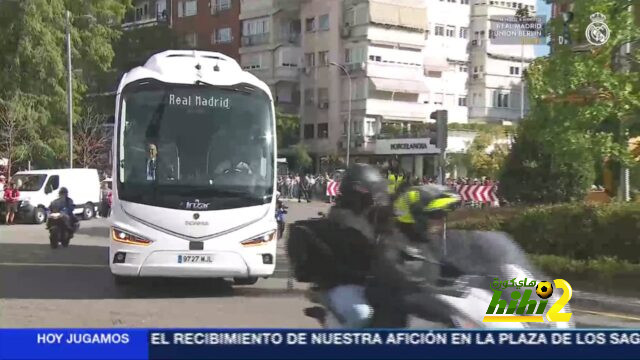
{"type": "Point", "coordinates": [193, 191]}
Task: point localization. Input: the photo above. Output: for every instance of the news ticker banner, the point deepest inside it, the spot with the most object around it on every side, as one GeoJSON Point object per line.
{"type": "Point", "coordinates": [316, 344]}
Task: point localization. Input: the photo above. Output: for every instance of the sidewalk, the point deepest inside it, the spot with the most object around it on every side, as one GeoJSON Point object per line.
{"type": "Point", "coordinates": [593, 301]}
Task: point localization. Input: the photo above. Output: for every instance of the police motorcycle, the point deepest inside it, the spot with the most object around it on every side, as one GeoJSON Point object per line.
{"type": "Point", "coordinates": [471, 264]}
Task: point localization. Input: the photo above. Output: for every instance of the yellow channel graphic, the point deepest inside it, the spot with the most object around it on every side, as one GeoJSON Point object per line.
{"type": "Point", "coordinates": [512, 318]}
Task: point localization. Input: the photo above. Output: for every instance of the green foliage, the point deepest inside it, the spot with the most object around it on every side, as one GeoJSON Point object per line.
{"type": "Point", "coordinates": [580, 103]}
{"type": "Point", "coordinates": [301, 158]}
{"type": "Point", "coordinates": [533, 174]}
{"type": "Point", "coordinates": [33, 59]}
{"type": "Point", "coordinates": [577, 231]}
{"type": "Point", "coordinates": [287, 129]}
{"type": "Point", "coordinates": [485, 163]}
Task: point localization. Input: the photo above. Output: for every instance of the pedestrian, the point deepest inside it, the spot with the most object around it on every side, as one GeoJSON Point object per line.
{"type": "Point", "coordinates": [303, 188]}
{"type": "Point", "coordinates": [11, 196]}
{"type": "Point", "coordinates": [281, 210]}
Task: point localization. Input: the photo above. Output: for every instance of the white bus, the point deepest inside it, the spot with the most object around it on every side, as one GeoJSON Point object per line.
{"type": "Point", "coordinates": [195, 171]}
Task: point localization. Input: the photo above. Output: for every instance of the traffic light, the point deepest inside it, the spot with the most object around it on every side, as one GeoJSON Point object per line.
{"type": "Point", "coordinates": [442, 118]}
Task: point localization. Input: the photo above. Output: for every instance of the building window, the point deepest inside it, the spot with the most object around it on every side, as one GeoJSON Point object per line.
{"type": "Point", "coordinates": [187, 8]}
{"type": "Point", "coordinates": [354, 55]}
{"type": "Point", "coordinates": [514, 70]}
{"type": "Point", "coordinates": [464, 2]}
{"type": "Point", "coordinates": [309, 60]}
{"type": "Point", "coordinates": [438, 99]}
{"type": "Point", "coordinates": [462, 101]}
{"type": "Point", "coordinates": [191, 40]}
{"type": "Point", "coordinates": [323, 22]}
{"type": "Point", "coordinates": [451, 1]}
{"type": "Point", "coordinates": [475, 69]}
{"type": "Point", "coordinates": [464, 32]}
{"type": "Point", "coordinates": [222, 36]}
{"type": "Point", "coordinates": [439, 30]}
{"type": "Point", "coordinates": [257, 26]}
{"type": "Point", "coordinates": [451, 31]}
{"type": "Point", "coordinates": [323, 58]}
{"type": "Point", "coordinates": [308, 131]}
{"type": "Point", "coordinates": [251, 61]}
{"type": "Point", "coordinates": [323, 130]}
{"type": "Point", "coordinates": [463, 69]}
{"type": "Point", "coordinates": [376, 58]}
{"type": "Point", "coordinates": [310, 24]}
{"type": "Point", "coordinates": [288, 58]}
{"type": "Point", "coordinates": [323, 98]}
{"type": "Point", "coordinates": [500, 100]}
{"type": "Point", "coordinates": [481, 68]}
{"type": "Point", "coordinates": [370, 128]}
{"type": "Point", "coordinates": [220, 5]}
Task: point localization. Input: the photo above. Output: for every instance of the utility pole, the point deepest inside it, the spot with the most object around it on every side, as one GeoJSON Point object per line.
{"type": "Point", "coordinates": [69, 90]}
{"type": "Point", "coordinates": [349, 114]}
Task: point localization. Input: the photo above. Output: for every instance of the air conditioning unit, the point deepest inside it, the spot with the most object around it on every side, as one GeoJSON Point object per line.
{"type": "Point", "coordinates": [346, 31]}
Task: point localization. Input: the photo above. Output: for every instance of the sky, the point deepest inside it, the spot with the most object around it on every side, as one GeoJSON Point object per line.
{"type": "Point", "coordinates": [543, 9]}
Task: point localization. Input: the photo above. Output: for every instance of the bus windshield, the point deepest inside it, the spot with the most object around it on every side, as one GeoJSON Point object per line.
{"type": "Point", "coordinates": [184, 145]}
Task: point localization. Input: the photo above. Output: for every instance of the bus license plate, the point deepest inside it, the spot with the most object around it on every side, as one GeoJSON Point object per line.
{"type": "Point", "coordinates": [195, 259]}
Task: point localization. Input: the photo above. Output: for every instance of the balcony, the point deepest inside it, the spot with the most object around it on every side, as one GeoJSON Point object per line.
{"type": "Point", "coordinates": [394, 110]}
{"type": "Point", "coordinates": [494, 113]}
{"type": "Point", "coordinates": [254, 40]}
{"type": "Point", "coordinates": [293, 39]}
{"type": "Point", "coordinates": [133, 21]}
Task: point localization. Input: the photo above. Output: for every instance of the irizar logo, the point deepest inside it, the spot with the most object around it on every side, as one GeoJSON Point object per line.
{"type": "Point", "coordinates": [197, 205]}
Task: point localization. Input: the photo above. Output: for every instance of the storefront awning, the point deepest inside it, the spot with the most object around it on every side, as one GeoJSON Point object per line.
{"type": "Point", "coordinates": [401, 86]}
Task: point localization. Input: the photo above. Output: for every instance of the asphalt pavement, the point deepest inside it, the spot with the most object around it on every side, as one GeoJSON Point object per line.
{"type": "Point", "coordinates": [73, 287]}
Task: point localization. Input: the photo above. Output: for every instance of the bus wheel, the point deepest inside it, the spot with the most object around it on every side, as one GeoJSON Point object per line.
{"type": "Point", "coordinates": [245, 281]}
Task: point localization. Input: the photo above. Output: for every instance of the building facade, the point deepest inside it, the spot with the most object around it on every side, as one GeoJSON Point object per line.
{"type": "Point", "coordinates": [495, 91]}
{"type": "Point", "coordinates": [146, 13]}
{"type": "Point", "coordinates": [446, 58]}
{"type": "Point", "coordinates": [270, 47]}
{"type": "Point", "coordinates": [211, 25]}
{"type": "Point", "coordinates": [363, 60]}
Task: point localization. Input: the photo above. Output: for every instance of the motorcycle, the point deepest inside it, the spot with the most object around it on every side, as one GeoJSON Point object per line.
{"type": "Point", "coordinates": [59, 232]}
{"type": "Point", "coordinates": [470, 262]}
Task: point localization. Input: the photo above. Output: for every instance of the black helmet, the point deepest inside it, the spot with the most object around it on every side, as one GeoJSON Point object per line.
{"type": "Point", "coordinates": [63, 191]}
{"type": "Point", "coordinates": [362, 187]}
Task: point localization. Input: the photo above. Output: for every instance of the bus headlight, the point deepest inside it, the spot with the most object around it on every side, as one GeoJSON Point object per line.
{"type": "Point", "coordinates": [126, 238]}
{"type": "Point", "coordinates": [259, 240]}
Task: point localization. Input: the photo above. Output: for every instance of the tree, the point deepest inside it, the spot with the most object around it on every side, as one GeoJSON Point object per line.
{"type": "Point", "coordinates": [581, 106]}
{"type": "Point", "coordinates": [301, 157]}
{"type": "Point", "coordinates": [287, 129]}
{"type": "Point", "coordinates": [33, 56]}
{"type": "Point", "coordinates": [91, 141]}
{"type": "Point", "coordinates": [19, 127]}
{"type": "Point", "coordinates": [486, 156]}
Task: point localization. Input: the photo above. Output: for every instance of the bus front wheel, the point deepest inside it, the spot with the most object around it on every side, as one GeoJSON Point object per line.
{"type": "Point", "coordinates": [245, 281]}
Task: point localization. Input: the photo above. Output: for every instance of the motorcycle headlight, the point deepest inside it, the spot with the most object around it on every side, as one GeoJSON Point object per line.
{"type": "Point", "coordinates": [127, 238]}
{"type": "Point", "coordinates": [260, 240]}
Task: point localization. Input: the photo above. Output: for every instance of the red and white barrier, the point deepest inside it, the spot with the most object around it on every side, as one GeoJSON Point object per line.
{"type": "Point", "coordinates": [478, 193]}
{"type": "Point", "coordinates": [333, 188]}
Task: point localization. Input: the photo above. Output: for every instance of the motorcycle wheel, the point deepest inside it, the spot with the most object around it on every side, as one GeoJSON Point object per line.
{"type": "Point", "coordinates": [53, 238]}
{"type": "Point", "coordinates": [65, 240]}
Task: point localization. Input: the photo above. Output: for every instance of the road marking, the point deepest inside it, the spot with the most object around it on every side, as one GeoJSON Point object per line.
{"type": "Point", "coordinates": [619, 316]}
{"type": "Point", "coordinates": [55, 265]}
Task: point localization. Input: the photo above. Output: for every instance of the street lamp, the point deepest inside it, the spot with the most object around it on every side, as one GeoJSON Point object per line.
{"type": "Point", "coordinates": [349, 115]}
{"type": "Point", "coordinates": [70, 84]}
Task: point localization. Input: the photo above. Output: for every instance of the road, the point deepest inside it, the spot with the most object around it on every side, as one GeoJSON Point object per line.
{"type": "Point", "coordinates": [72, 287]}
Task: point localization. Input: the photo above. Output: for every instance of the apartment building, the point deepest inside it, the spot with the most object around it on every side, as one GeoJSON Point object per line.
{"type": "Point", "coordinates": [378, 45]}
{"type": "Point", "coordinates": [208, 24]}
{"type": "Point", "coordinates": [446, 58]}
{"type": "Point", "coordinates": [270, 47]}
{"type": "Point", "coordinates": [146, 13]}
{"type": "Point", "coordinates": [496, 70]}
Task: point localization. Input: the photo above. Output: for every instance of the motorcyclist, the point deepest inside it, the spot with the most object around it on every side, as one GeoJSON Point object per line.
{"type": "Point", "coordinates": [369, 254]}
{"type": "Point", "coordinates": [64, 205]}
{"type": "Point", "coordinates": [420, 213]}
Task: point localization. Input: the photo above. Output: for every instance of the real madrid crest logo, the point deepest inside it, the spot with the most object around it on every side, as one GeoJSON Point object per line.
{"type": "Point", "coordinates": [597, 32]}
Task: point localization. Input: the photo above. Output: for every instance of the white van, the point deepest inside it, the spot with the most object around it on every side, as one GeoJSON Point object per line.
{"type": "Point", "coordinates": [38, 188]}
